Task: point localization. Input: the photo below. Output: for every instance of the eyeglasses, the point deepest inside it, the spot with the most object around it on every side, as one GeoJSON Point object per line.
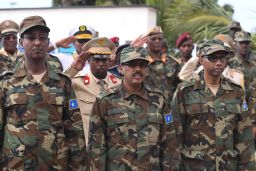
{"type": "Point", "coordinates": [82, 41]}
{"type": "Point", "coordinates": [245, 42]}
{"type": "Point", "coordinates": [213, 58]}
{"type": "Point", "coordinates": [134, 63]}
{"type": "Point", "coordinates": [32, 38]}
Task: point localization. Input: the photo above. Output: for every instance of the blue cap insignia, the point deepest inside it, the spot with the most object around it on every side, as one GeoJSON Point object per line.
{"type": "Point", "coordinates": [73, 104]}
{"type": "Point", "coordinates": [168, 118]}
{"type": "Point", "coordinates": [244, 106]}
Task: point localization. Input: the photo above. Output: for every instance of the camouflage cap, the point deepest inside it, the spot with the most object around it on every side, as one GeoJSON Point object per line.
{"type": "Point", "coordinates": [101, 45]}
{"type": "Point", "coordinates": [130, 53]}
{"type": "Point", "coordinates": [242, 36]}
{"type": "Point", "coordinates": [9, 27]}
{"type": "Point", "coordinates": [32, 21]}
{"type": "Point", "coordinates": [234, 24]}
{"type": "Point", "coordinates": [212, 46]}
{"type": "Point", "coordinates": [154, 30]}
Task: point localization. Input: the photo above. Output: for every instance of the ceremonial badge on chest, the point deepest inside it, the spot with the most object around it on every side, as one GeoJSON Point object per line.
{"type": "Point", "coordinates": [73, 104]}
{"type": "Point", "coordinates": [244, 106]}
{"type": "Point", "coordinates": [86, 80]}
{"type": "Point", "coordinates": [168, 118]}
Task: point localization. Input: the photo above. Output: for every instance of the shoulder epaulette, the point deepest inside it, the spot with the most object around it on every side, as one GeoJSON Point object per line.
{"type": "Point", "coordinates": [109, 91]}
{"type": "Point", "coordinates": [185, 84]}
{"type": "Point", "coordinates": [173, 58]}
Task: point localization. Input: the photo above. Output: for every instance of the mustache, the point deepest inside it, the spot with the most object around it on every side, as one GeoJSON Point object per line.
{"type": "Point", "coordinates": [137, 73]}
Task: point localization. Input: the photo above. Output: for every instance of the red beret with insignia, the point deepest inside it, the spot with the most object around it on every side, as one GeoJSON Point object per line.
{"type": "Point", "coordinates": [182, 38]}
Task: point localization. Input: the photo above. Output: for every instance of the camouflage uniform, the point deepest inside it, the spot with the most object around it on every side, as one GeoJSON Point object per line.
{"type": "Point", "coordinates": [216, 129]}
{"type": "Point", "coordinates": [128, 132]}
{"type": "Point", "coordinates": [246, 66]}
{"type": "Point", "coordinates": [132, 131]}
{"type": "Point", "coordinates": [7, 62]}
{"type": "Point", "coordinates": [163, 75]}
{"type": "Point", "coordinates": [40, 128]}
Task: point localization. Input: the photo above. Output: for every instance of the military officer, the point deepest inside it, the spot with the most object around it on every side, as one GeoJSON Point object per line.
{"type": "Point", "coordinates": [41, 125]}
{"type": "Point", "coordinates": [9, 52]}
{"type": "Point", "coordinates": [88, 86]}
{"type": "Point", "coordinates": [185, 45]}
{"type": "Point", "coordinates": [131, 127]}
{"type": "Point", "coordinates": [234, 27]}
{"type": "Point", "coordinates": [217, 132]}
{"type": "Point", "coordinates": [162, 68]}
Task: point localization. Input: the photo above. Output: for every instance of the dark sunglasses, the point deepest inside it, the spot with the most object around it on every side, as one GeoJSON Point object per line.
{"type": "Point", "coordinates": [82, 41]}
{"type": "Point", "coordinates": [213, 58]}
{"type": "Point", "coordinates": [134, 63]}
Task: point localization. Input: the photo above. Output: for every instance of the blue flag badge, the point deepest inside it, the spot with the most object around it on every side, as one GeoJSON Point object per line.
{"type": "Point", "coordinates": [168, 118]}
{"type": "Point", "coordinates": [244, 106]}
{"type": "Point", "coordinates": [73, 104]}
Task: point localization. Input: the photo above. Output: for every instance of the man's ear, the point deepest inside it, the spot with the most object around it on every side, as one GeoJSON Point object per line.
{"type": "Point", "coordinates": [21, 42]}
{"type": "Point", "coordinates": [120, 69]}
{"type": "Point", "coordinates": [201, 60]}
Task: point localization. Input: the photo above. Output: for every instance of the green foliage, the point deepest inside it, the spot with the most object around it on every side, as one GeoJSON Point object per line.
{"type": "Point", "coordinates": [253, 44]}
{"type": "Point", "coordinates": [202, 18]}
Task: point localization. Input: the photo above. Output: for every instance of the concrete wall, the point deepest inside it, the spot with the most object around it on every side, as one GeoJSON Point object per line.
{"type": "Point", "coordinates": [124, 22]}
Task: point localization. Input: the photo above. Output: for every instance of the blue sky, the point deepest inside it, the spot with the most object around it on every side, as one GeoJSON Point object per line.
{"type": "Point", "coordinates": [245, 12]}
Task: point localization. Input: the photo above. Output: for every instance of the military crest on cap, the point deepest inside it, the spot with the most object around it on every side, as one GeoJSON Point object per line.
{"type": "Point", "coordinates": [82, 28]}
{"type": "Point", "coordinates": [101, 42]}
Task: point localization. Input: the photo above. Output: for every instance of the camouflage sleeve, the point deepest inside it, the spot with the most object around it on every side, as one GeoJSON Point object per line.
{"type": "Point", "coordinates": [252, 100]}
{"type": "Point", "coordinates": [2, 120]}
{"type": "Point", "coordinates": [97, 143]}
{"type": "Point", "coordinates": [178, 111]}
{"type": "Point", "coordinates": [74, 131]}
{"type": "Point", "coordinates": [244, 141]}
{"type": "Point", "coordinates": [170, 147]}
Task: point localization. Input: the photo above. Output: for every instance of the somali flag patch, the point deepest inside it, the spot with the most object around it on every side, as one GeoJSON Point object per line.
{"type": "Point", "coordinates": [244, 106]}
{"type": "Point", "coordinates": [73, 104]}
{"type": "Point", "coordinates": [168, 118]}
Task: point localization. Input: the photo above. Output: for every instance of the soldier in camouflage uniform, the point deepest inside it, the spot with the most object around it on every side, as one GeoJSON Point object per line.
{"type": "Point", "coordinates": [9, 52]}
{"type": "Point", "coordinates": [216, 125]}
{"type": "Point", "coordinates": [131, 128]}
{"type": "Point", "coordinates": [244, 59]}
{"type": "Point", "coordinates": [41, 126]}
{"type": "Point", "coordinates": [162, 69]}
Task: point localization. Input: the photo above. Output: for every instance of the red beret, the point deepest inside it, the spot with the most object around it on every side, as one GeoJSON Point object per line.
{"type": "Point", "coordinates": [182, 38]}
{"type": "Point", "coordinates": [114, 39]}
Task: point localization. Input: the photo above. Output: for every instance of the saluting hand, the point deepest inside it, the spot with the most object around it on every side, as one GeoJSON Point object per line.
{"type": "Point", "coordinates": [80, 60]}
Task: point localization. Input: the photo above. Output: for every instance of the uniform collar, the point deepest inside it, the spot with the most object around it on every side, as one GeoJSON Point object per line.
{"type": "Point", "coordinates": [16, 54]}
{"type": "Point", "coordinates": [126, 94]}
{"type": "Point", "coordinates": [163, 58]}
{"type": "Point", "coordinates": [199, 83]}
{"type": "Point", "coordinates": [21, 71]}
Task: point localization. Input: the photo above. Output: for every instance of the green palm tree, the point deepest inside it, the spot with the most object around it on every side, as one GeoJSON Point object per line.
{"type": "Point", "coordinates": [202, 18]}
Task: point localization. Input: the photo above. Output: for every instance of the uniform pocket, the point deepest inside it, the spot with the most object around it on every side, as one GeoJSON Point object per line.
{"type": "Point", "coordinates": [16, 104]}
{"type": "Point", "coordinates": [118, 125]}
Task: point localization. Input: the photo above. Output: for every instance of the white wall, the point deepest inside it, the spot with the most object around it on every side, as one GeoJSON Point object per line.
{"type": "Point", "coordinates": [125, 22]}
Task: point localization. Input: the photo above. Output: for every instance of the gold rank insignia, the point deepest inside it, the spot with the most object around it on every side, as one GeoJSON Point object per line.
{"type": "Point", "coordinates": [101, 42]}
{"type": "Point", "coordinates": [82, 28]}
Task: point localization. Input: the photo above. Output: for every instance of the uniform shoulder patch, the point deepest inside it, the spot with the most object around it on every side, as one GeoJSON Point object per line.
{"type": "Point", "coordinates": [73, 104]}
{"type": "Point", "coordinates": [168, 118]}
{"type": "Point", "coordinates": [244, 106]}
